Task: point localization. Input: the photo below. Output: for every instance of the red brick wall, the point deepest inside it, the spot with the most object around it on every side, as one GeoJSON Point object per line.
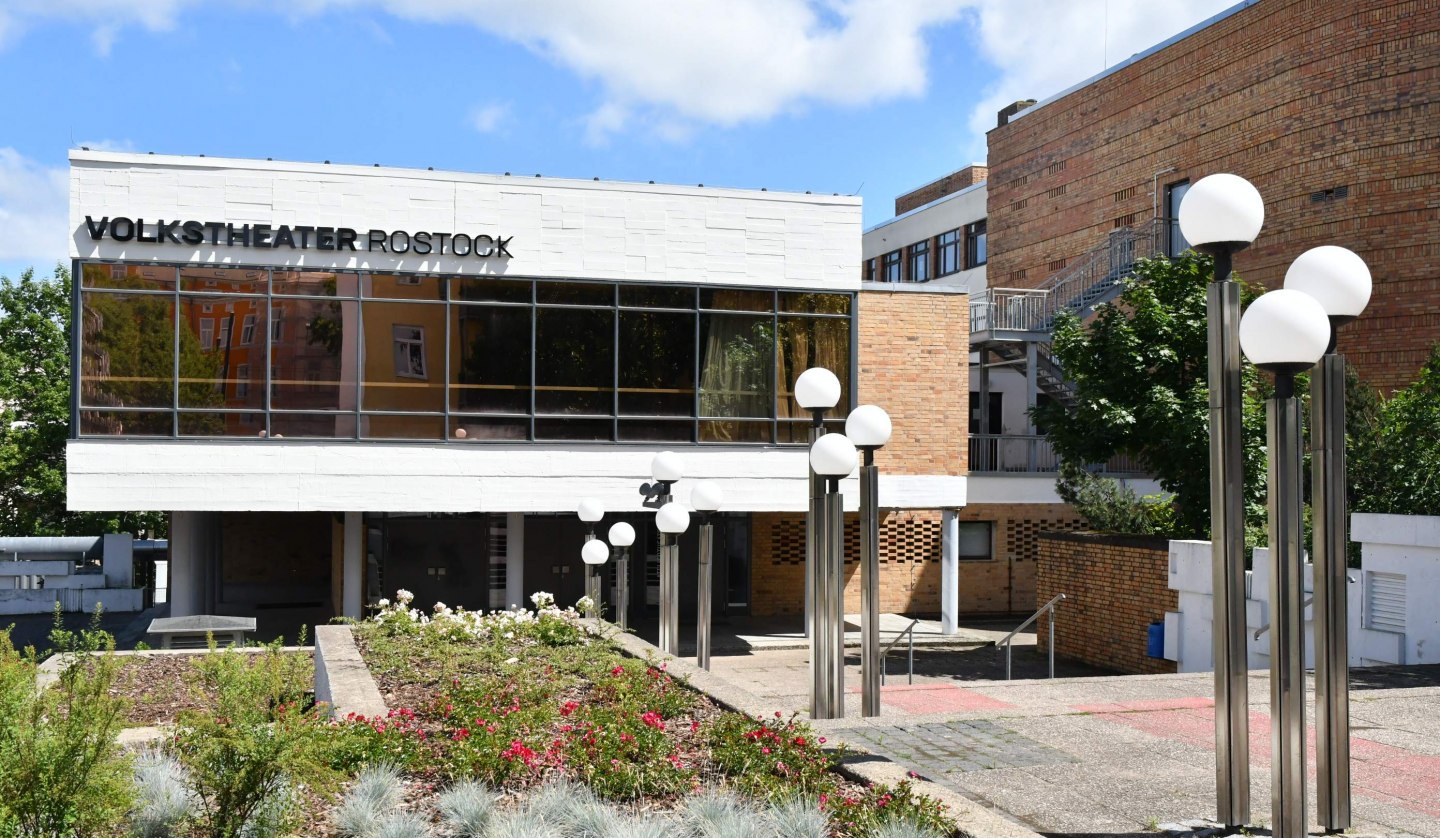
{"type": "Point", "coordinates": [1114, 587]}
{"type": "Point", "coordinates": [1298, 96]}
{"type": "Point", "coordinates": [968, 176]}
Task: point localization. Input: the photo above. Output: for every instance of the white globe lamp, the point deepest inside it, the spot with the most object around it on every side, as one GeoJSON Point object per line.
{"type": "Point", "coordinates": [1284, 331]}
{"type": "Point", "coordinates": [591, 510]}
{"type": "Point", "coordinates": [594, 552]}
{"type": "Point", "coordinates": [706, 496]}
{"type": "Point", "coordinates": [817, 389]}
{"type": "Point", "coordinates": [622, 534]}
{"type": "Point", "coordinates": [1336, 277]}
{"type": "Point", "coordinates": [672, 519]}
{"type": "Point", "coordinates": [667, 467]}
{"type": "Point", "coordinates": [1221, 212]}
{"type": "Point", "coordinates": [868, 426]}
{"type": "Point", "coordinates": [833, 455]}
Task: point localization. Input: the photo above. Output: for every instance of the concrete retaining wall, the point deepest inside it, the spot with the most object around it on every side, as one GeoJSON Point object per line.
{"type": "Point", "coordinates": [342, 680]}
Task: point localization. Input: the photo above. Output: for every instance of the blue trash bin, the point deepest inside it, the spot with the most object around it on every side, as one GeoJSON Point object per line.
{"type": "Point", "coordinates": [1155, 640]}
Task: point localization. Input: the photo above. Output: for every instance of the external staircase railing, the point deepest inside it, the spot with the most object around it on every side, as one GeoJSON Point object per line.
{"type": "Point", "coordinates": [1007, 641]}
{"type": "Point", "coordinates": [885, 653]}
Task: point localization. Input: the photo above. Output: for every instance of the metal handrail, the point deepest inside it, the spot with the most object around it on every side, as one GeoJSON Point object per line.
{"type": "Point", "coordinates": [885, 653]}
{"type": "Point", "coordinates": [1306, 604]}
{"type": "Point", "coordinates": [1006, 642]}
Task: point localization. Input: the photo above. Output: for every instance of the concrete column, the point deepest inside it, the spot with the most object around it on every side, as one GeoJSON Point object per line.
{"type": "Point", "coordinates": [514, 559]}
{"type": "Point", "coordinates": [353, 566]}
{"type": "Point", "coordinates": [185, 551]}
{"type": "Point", "coordinates": [949, 572]}
{"type": "Point", "coordinates": [117, 559]}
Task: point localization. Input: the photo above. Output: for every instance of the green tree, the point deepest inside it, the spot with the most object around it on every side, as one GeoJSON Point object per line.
{"type": "Point", "coordinates": [35, 414]}
{"type": "Point", "coordinates": [1394, 450]}
{"type": "Point", "coordinates": [1139, 371]}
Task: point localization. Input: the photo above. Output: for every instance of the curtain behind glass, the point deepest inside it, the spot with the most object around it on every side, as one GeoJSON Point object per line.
{"type": "Point", "coordinates": [807, 342]}
{"type": "Point", "coordinates": [736, 366]}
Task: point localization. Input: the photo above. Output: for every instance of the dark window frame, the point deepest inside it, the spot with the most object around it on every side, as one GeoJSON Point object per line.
{"type": "Point", "coordinates": [977, 251]}
{"type": "Point", "coordinates": [917, 268]}
{"type": "Point", "coordinates": [890, 266]}
{"type": "Point", "coordinates": [989, 555]}
{"type": "Point", "coordinates": [947, 252]}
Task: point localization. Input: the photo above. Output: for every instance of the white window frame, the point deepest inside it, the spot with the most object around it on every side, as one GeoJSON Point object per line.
{"type": "Point", "coordinates": [207, 333]}
{"type": "Point", "coordinates": [409, 351]}
{"type": "Point", "coordinates": [247, 330]}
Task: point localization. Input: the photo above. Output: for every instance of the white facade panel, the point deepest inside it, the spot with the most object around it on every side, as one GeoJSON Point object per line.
{"type": "Point", "coordinates": [288, 476]}
{"type": "Point", "coordinates": [561, 228]}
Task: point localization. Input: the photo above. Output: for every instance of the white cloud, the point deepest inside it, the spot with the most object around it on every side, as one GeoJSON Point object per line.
{"type": "Point", "coordinates": [1042, 47]}
{"type": "Point", "coordinates": [34, 210]}
{"type": "Point", "coordinates": [108, 17]}
{"type": "Point", "coordinates": [487, 118]}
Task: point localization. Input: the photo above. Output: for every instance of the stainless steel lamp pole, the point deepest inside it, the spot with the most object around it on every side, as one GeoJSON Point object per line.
{"type": "Point", "coordinates": [1220, 215]}
{"type": "Point", "coordinates": [816, 390]}
{"type": "Point", "coordinates": [706, 497]}
{"type": "Point", "coordinates": [594, 554]}
{"type": "Point", "coordinates": [666, 469]}
{"type": "Point", "coordinates": [1340, 281]}
{"type": "Point", "coordinates": [869, 428]}
{"type": "Point", "coordinates": [1286, 332]}
{"type": "Point", "coordinates": [833, 457]}
{"type": "Point", "coordinates": [591, 510]}
{"type": "Point", "coordinates": [622, 535]}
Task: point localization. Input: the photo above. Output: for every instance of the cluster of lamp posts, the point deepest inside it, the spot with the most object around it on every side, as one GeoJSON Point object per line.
{"type": "Point", "coordinates": [1285, 332]}
{"type": "Point", "coordinates": [833, 457]}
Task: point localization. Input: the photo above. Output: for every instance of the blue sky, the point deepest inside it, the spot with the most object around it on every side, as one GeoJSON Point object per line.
{"type": "Point", "coordinates": [874, 96]}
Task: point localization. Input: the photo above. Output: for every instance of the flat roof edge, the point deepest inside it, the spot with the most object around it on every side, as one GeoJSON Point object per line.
{"type": "Point", "coordinates": [942, 199]}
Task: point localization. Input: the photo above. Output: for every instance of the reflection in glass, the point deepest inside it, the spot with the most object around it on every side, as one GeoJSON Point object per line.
{"type": "Point", "coordinates": [133, 277]}
{"type": "Point", "coordinates": [222, 351]}
{"type": "Point", "coordinates": [657, 296]}
{"type": "Point", "coordinates": [404, 362]}
{"type": "Point", "coordinates": [314, 425]}
{"type": "Point", "coordinates": [314, 349]}
{"type": "Point", "coordinates": [404, 287]}
{"type": "Point", "coordinates": [574, 361]}
{"type": "Point", "coordinates": [490, 359]}
{"type": "Point", "coordinates": [316, 283]}
{"type": "Point", "coordinates": [807, 342]}
{"type": "Point", "coordinates": [126, 423]}
{"type": "Point", "coordinates": [477, 428]}
{"type": "Point", "coordinates": [657, 363]}
{"type": "Point", "coordinates": [221, 424]}
{"type": "Point", "coordinates": [814, 303]}
{"type": "Point", "coordinates": [575, 293]}
{"type": "Point", "coordinates": [732, 431]}
{"type": "Point", "coordinates": [656, 430]}
{"type": "Point", "coordinates": [734, 299]}
{"type": "Point", "coordinates": [487, 289]}
{"type": "Point", "coordinates": [580, 430]}
{"type": "Point", "coordinates": [737, 355]}
{"type": "Point", "coordinates": [394, 426]}
{"type": "Point", "coordinates": [127, 350]}
{"type": "Point", "coordinates": [225, 280]}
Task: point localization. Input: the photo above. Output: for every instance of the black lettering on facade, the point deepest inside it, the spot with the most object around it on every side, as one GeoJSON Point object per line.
{"type": "Point", "coordinates": [489, 245]}
{"type": "Point", "coordinates": [455, 245]}
{"type": "Point", "coordinates": [285, 237]}
{"type": "Point", "coordinates": [165, 231]}
{"type": "Point", "coordinates": [97, 231]}
{"type": "Point", "coordinates": [344, 237]}
{"type": "Point", "coordinates": [422, 242]}
{"type": "Point", "coordinates": [500, 246]}
{"type": "Point", "coordinates": [304, 234]}
{"type": "Point", "coordinates": [241, 235]}
{"type": "Point", "coordinates": [396, 241]}
{"type": "Point", "coordinates": [214, 227]}
{"type": "Point", "coordinates": [325, 238]}
{"type": "Point", "coordinates": [194, 232]}
{"type": "Point", "coordinates": [261, 236]}
{"type": "Point", "coordinates": [444, 241]}
{"type": "Point", "coordinates": [376, 241]}
{"type": "Point", "coordinates": [140, 233]}
{"type": "Point", "coordinates": [115, 229]}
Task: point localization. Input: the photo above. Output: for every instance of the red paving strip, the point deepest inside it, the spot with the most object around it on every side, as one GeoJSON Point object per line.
{"type": "Point", "coordinates": [937, 698]}
{"type": "Point", "coordinates": [1381, 772]}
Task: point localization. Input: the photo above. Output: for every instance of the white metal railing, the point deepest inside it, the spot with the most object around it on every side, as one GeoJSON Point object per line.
{"type": "Point", "coordinates": [1007, 641]}
{"type": "Point", "coordinates": [1032, 453]}
{"type": "Point", "coordinates": [885, 653]}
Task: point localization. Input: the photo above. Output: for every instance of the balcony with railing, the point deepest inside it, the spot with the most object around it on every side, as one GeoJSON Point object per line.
{"type": "Point", "coordinates": [1033, 454]}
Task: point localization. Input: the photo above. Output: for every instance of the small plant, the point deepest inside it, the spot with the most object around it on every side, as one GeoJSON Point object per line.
{"type": "Point", "coordinates": [521, 823]}
{"type": "Point", "coordinates": [376, 791]}
{"type": "Point", "coordinates": [402, 825]}
{"type": "Point", "coordinates": [164, 799]}
{"type": "Point", "coordinates": [717, 814]}
{"type": "Point", "coordinates": [466, 808]}
{"type": "Point", "coordinates": [799, 818]}
{"type": "Point", "coordinates": [772, 759]}
{"type": "Point", "coordinates": [881, 805]}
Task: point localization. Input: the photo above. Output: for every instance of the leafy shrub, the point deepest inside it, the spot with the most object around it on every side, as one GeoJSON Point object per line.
{"type": "Point", "coordinates": [884, 810]}
{"type": "Point", "coordinates": [355, 742]}
{"type": "Point", "coordinates": [772, 759]}
{"type": "Point", "coordinates": [1111, 507]}
{"type": "Point", "coordinates": [61, 772]}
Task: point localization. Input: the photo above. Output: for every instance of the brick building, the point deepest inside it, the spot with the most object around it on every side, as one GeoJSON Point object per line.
{"type": "Point", "coordinates": [1327, 106]}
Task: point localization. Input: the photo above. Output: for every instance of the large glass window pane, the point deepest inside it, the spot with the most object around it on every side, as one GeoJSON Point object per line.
{"type": "Point", "coordinates": [657, 296]}
{"type": "Point", "coordinates": [315, 283]}
{"type": "Point", "coordinates": [314, 425]}
{"type": "Point", "coordinates": [128, 350]}
{"type": "Point", "coordinates": [126, 423]}
{"type": "Point", "coordinates": [489, 289]}
{"type": "Point", "coordinates": [194, 423]}
{"type": "Point", "coordinates": [574, 361]}
{"type": "Point", "coordinates": [656, 430]}
{"type": "Point", "coordinates": [807, 342]}
{"type": "Point", "coordinates": [890, 267]}
{"type": "Point", "coordinates": [814, 303]}
{"type": "Point", "coordinates": [975, 250]}
{"type": "Point", "coordinates": [580, 430]}
{"type": "Point", "coordinates": [657, 363]}
{"type": "Point", "coordinates": [575, 293]}
{"type": "Point", "coordinates": [397, 426]}
{"type": "Point", "coordinates": [404, 367]}
{"type": "Point", "coordinates": [134, 277]}
{"type": "Point", "coordinates": [490, 359]}
{"type": "Point", "coordinates": [225, 280]}
{"type": "Point", "coordinates": [222, 351]}
{"type": "Point", "coordinates": [314, 347]}
{"type": "Point", "coordinates": [482, 428]}
{"type": "Point", "coordinates": [920, 262]}
{"type": "Point", "coordinates": [732, 431]}
{"type": "Point", "coordinates": [403, 286]}
{"type": "Point", "coordinates": [733, 299]}
{"type": "Point", "coordinates": [974, 541]}
{"type": "Point", "coordinates": [737, 358]}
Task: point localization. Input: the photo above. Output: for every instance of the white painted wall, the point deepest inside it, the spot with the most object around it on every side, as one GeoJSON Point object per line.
{"type": "Point", "coordinates": [292, 476]}
{"type": "Point", "coordinates": [942, 215]}
{"type": "Point", "coordinates": [1035, 488]}
{"type": "Point", "coordinates": [561, 228]}
{"type": "Point", "coordinates": [1407, 546]}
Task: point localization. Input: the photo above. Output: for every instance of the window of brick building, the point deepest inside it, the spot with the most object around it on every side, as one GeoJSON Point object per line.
{"type": "Point", "coordinates": [975, 244]}
{"type": "Point", "coordinates": [890, 267]}
{"type": "Point", "coordinates": [1175, 243]}
{"type": "Point", "coordinates": [975, 541]}
{"type": "Point", "coordinates": [920, 261]}
{"type": "Point", "coordinates": [947, 253]}
{"type": "Point", "coordinates": [870, 268]}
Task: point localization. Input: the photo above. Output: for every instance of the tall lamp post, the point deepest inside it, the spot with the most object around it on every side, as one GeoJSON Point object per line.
{"type": "Point", "coordinates": [832, 456]}
{"type": "Point", "coordinates": [672, 519]}
{"type": "Point", "coordinates": [666, 469]}
{"type": "Point", "coordinates": [590, 511]}
{"type": "Point", "coordinates": [1285, 332]}
{"type": "Point", "coordinates": [868, 426]}
{"type": "Point", "coordinates": [1339, 280]}
{"type": "Point", "coordinates": [706, 497]}
{"type": "Point", "coordinates": [1221, 215]}
{"type": "Point", "coordinates": [622, 535]}
{"type": "Point", "coordinates": [816, 390]}
{"type": "Point", "coordinates": [594, 554]}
